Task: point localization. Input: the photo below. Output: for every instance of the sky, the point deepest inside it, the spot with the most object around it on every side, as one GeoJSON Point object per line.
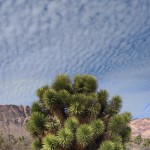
{"type": "Point", "coordinates": [40, 39]}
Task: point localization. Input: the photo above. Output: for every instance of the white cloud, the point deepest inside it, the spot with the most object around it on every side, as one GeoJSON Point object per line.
{"type": "Point", "coordinates": [40, 39]}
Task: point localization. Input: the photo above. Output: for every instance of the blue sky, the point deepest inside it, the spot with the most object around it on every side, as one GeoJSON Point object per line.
{"type": "Point", "coordinates": [108, 39]}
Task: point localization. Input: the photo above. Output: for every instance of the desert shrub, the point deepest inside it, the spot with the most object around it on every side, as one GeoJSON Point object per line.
{"type": "Point", "coordinates": [1, 139]}
{"type": "Point", "coordinates": [146, 143]}
{"type": "Point", "coordinates": [138, 139]}
{"type": "Point", "coordinates": [12, 139]}
{"type": "Point", "coordinates": [21, 139]}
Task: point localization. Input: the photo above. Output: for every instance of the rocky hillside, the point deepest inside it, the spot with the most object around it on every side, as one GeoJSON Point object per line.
{"type": "Point", "coordinates": [141, 126]}
{"type": "Point", "coordinates": [12, 120]}
{"type": "Point", "coordinates": [14, 113]}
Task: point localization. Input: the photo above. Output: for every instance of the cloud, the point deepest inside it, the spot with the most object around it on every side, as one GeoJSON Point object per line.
{"type": "Point", "coordinates": [40, 39]}
{"type": "Point", "coordinates": [20, 91]}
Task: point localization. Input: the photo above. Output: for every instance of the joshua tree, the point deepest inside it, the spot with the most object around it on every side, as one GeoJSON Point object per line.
{"type": "Point", "coordinates": [73, 115]}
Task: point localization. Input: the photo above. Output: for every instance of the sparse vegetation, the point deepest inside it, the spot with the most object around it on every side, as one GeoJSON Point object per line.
{"type": "Point", "coordinates": [12, 139]}
{"type": "Point", "coordinates": [21, 139]}
{"type": "Point", "coordinates": [138, 139]}
{"type": "Point", "coordinates": [146, 144]}
{"type": "Point", "coordinates": [1, 139]}
{"type": "Point", "coordinates": [139, 143]}
{"type": "Point", "coordinates": [10, 142]}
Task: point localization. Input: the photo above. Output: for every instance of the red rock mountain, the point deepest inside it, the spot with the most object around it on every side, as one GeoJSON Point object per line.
{"type": "Point", "coordinates": [141, 126]}
{"type": "Point", "coordinates": [13, 113]}
{"type": "Point", "coordinates": [12, 120]}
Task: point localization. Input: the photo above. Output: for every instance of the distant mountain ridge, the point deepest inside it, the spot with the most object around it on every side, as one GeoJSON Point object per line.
{"type": "Point", "coordinates": [140, 126]}
{"type": "Point", "coordinates": [14, 114]}
{"type": "Point", "coordinates": [13, 119]}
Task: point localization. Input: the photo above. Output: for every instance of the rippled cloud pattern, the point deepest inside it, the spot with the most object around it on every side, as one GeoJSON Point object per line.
{"type": "Point", "coordinates": [108, 39]}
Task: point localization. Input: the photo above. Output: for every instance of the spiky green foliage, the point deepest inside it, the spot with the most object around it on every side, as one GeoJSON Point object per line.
{"type": "Point", "coordinates": [36, 125]}
{"type": "Point", "coordinates": [84, 135]}
{"type": "Point", "coordinates": [77, 106]}
{"type": "Point", "coordinates": [80, 107]}
{"type": "Point", "coordinates": [72, 124]}
{"type": "Point", "coordinates": [53, 125]}
{"type": "Point", "coordinates": [36, 107]}
{"type": "Point", "coordinates": [65, 137]}
{"type": "Point", "coordinates": [97, 127]}
{"type": "Point", "coordinates": [85, 84]}
{"type": "Point", "coordinates": [50, 142]}
{"type": "Point", "coordinates": [36, 145]}
{"type": "Point", "coordinates": [41, 91]}
{"type": "Point", "coordinates": [103, 98]}
{"type": "Point", "coordinates": [118, 123]}
{"type": "Point", "coordinates": [50, 99]}
{"type": "Point", "coordinates": [114, 105]}
{"type": "Point", "coordinates": [118, 146]}
{"type": "Point", "coordinates": [116, 138]}
{"type": "Point", "coordinates": [127, 116]}
{"type": "Point", "coordinates": [62, 82]}
{"type": "Point", "coordinates": [64, 97]}
{"type": "Point", "coordinates": [73, 115]}
{"type": "Point", "coordinates": [107, 145]}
